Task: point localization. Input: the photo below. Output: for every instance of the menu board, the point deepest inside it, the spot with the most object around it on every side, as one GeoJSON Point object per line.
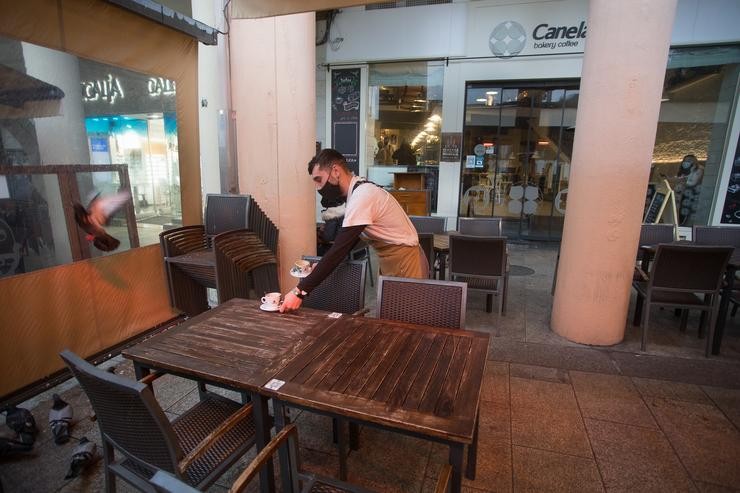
{"type": "Point", "coordinates": [345, 115]}
{"type": "Point", "coordinates": [731, 210]}
{"type": "Point", "coordinates": [655, 208]}
{"type": "Point", "coordinates": [451, 144]}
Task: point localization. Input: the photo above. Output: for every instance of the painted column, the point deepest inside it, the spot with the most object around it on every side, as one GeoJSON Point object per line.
{"type": "Point", "coordinates": [621, 83]}
{"type": "Point", "coordinates": [273, 96]}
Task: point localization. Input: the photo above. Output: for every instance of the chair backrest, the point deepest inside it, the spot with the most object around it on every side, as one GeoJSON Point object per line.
{"type": "Point", "coordinates": [343, 291]}
{"type": "Point", "coordinates": [129, 416]}
{"type": "Point", "coordinates": [225, 212]}
{"type": "Point", "coordinates": [428, 224]}
{"type": "Point", "coordinates": [716, 235]}
{"type": "Point", "coordinates": [426, 242]}
{"type": "Point", "coordinates": [479, 256]}
{"type": "Point", "coordinates": [692, 268]}
{"type": "Point", "coordinates": [240, 254]}
{"type": "Point", "coordinates": [422, 301]}
{"type": "Point", "coordinates": [652, 234]}
{"type": "Point", "coordinates": [479, 226]}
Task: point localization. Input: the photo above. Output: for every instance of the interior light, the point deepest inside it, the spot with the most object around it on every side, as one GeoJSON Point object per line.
{"type": "Point", "coordinates": [491, 93]}
{"type": "Point", "coordinates": [420, 100]}
{"type": "Point", "coordinates": [435, 118]}
{"type": "Point", "coordinates": [663, 100]}
{"type": "Point", "coordinates": [481, 100]}
{"type": "Point", "coordinates": [542, 142]}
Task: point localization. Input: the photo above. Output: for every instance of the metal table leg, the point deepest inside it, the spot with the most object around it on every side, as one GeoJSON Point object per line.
{"type": "Point", "coordinates": [263, 425]}
{"type": "Point", "coordinates": [473, 452]}
{"type": "Point", "coordinates": [456, 461]}
{"type": "Point", "coordinates": [724, 304]}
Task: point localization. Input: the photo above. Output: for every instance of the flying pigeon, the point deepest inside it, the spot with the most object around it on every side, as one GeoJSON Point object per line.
{"type": "Point", "coordinates": [83, 456]}
{"type": "Point", "coordinates": [22, 422]}
{"type": "Point", "coordinates": [60, 417]}
{"type": "Point", "coordinates": [97, 215]}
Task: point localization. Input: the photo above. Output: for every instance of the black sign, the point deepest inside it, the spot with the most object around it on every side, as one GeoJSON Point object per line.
{"type": "Point", "coordinates": [731, 210]}
{"type": "Point", "coordinates": [451, 144]}
{"type": "Point", "coordinates": [653, 212]}
{"type": "Point", "coordinates": [345, 115]}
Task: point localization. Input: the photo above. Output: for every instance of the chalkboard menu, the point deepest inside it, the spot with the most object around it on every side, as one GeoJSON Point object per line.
{"type": "Point", "coordinates": [731, 210]}
{"type": "Point", "coordinates": [345, 115]}
{"type": "Point", "coordinates": [656, 205]}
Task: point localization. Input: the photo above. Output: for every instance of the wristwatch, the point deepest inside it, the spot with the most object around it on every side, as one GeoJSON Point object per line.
{"type": "Point", "coordinates": [298, 292]}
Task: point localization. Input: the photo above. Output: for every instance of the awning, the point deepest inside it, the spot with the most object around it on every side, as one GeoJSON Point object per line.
{"type": "Point", "coordinates": [23, 96]}
{"type": "Point", "coordinates": [252, 9]}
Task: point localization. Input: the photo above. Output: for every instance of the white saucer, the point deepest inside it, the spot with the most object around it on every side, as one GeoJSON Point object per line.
{"type": "Point", "coordinates": [299, 275]}
{"type": "Point", "coordinates": [269, 308]}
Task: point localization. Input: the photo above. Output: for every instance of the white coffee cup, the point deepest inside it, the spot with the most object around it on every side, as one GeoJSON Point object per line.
{"type": "Point", "coordinates": [272, 299]}
{"type": "Point", "coordinates": [302, 266]}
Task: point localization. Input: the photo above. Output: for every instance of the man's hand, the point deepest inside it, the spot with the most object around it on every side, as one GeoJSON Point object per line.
{"type": "Point", "coordinates": [291, 302]}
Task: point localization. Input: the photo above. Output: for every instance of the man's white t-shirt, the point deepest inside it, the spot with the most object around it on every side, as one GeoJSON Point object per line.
{"type": "Point", "coordinates": [380, 213]}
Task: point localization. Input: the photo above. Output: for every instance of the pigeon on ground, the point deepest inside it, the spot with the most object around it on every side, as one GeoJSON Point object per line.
{"type": "Point", "coordinates": [97, 215]}
{"type": "Point", "coordinates": [60, 418]}
{"type": "Point", "coordinates": [22, 422]}
{"type": "Point", "coordinates": [83, 456]}
{"type": "Point", "coordinates": [9, 447]}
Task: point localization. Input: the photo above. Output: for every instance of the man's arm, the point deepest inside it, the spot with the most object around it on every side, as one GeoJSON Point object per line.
{"type": "Point", "coordinates": [345, 240]}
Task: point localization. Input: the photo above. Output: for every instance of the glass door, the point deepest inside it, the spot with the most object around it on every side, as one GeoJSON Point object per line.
{"type": "Point", "coordinates": [517, 146]}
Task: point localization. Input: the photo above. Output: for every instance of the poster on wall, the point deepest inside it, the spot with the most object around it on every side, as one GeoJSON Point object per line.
{"type": "Point", "coordinates": [451, 145]}
{"type": "Point", "coordinates": [731, 210]}
{"type": "Point", "coordinates": [345, 115]}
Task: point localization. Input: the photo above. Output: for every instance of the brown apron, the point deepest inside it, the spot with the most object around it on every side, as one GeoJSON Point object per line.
{"type": "Point", "coordinates": [401, 260]}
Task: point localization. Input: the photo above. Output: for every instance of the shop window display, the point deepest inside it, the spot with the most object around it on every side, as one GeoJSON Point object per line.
{"type": "Point", "coordinates": [96, 129]}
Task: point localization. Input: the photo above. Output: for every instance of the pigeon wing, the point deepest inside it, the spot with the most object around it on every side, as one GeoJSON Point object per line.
{"type": "Point", "coordinates": [109, 204]}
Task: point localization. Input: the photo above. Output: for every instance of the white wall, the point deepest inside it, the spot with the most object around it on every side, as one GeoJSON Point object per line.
{"type": "Point", "coordinates": [212, 80]}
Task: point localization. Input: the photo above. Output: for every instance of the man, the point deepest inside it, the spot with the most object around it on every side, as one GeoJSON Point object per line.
{"type": "Point", "coordinates": [370, 210]}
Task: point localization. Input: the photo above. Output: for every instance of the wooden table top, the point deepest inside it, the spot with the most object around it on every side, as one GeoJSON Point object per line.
{"type": "Point", "coordinates": [410, 377]}
{"type": "Point", "coordinates": [236, 343]}
{"type": "Point", "coordinates": [204, 258]}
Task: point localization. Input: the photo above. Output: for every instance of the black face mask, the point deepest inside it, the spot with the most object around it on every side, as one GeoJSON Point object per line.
{"type": "Point", "coordinates": [330, 192]}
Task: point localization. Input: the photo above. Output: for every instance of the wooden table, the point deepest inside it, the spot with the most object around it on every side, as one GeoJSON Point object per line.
{"type": "Point", "coordinates": [236, 346]}
{"type": "Point", "coordinates": [417, 380]}
{"type": "Point", "coordinates": [648, 251]}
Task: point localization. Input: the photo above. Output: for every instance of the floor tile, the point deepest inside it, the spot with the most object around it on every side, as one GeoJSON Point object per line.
{"type": "Point", "coordinates": [495, 382]}
{"type": "Point", "coordinates": [698, 371]}
{"type": "Point", "coordinates": [634, 458]}
{"type": "Point", "coordinates": [540, 470]}
{"type": "Point", "coordinates": [704, 439]}
{"type": "Point", "coordinates": [611, 398]}
{"type": "Point", "coordinates": [545, 415]}
{"type": "Point", "coordinates": [728, 400]}
{"type": "Point", "coordinates": [649, 387]}
{"type": "Point", "coordinates": [554, 356]}
{"type": "Point", "coordinates": [547, 374]}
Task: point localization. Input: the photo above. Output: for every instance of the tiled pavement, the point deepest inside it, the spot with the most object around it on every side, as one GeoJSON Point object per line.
{"type": "Point", "coordinates": [555, 416]}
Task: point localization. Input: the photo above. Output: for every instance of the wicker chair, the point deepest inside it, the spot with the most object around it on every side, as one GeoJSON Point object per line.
{"type": "Point", "coordinates": [426, 241]}
{"type": "Point", "coordinates": [343, 291]}
{"type": "Point", "coordinates": [477, 226]}
{"type": "Point", "coordinates": [422, 301]}
{"type": "Point", "coordinates": [482, 263]}
{"type": "Point", "coordinates": [716, 235]}
{"type": "Point", "coordinates": [428, 224]}
{"type": "Point", "coordinates": [672, 283]}
{"type": "Point", "coordinates": [187, 284]}
{"type": "Point", "coordinates": [653, 234]}
{"type": "Point", "coordinates": [197, 447]}
{"type": "Point", "coordinates": [245, 267]}
{"type": "Point", "coordinates": [166, 483]}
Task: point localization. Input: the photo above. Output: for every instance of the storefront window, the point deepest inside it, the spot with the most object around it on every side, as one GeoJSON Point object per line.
{"type": "Point", "coordinates": [71, 129]}
{"type": "Point", "coordinates": [404, 120]}
{"type": "Point", "coordinates": [517, 147]}
{"type": "Point", "coordinates": [698, 96]}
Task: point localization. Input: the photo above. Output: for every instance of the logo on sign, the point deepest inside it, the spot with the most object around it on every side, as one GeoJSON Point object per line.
{"type": "Point", "coordinates": [158, 86]}
{"type": "Point", "coordinates": [507, 39]}
{"type": "Point", "coordinates": [107, 89]}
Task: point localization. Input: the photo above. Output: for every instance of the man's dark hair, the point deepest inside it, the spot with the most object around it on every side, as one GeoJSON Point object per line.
{"type": "Point", "coordinates": [325, 159]}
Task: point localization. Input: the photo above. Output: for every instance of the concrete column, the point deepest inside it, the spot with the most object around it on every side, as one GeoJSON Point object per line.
{"type": "Point", "coordinates": [621, 83]}
{"type": "Point", "coordinates": [274, 101]}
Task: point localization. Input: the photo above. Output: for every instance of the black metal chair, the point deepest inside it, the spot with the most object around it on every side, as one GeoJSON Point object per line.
{"type": "Point", "coordinates": [422, 301]}
{"type": "Point", "coordinates": [478, 226]}
{"type": "Point", "coordinates": [245, 267]}
{"type": "Point", "coordinates": [292, 481]}
{"type": "Point", "coordinates": [482, 263]}
{"type": "Point", "coordinates": [343, 291]}
{"type": "Point", "coordinates": [428, 224]}
{"type": "Point", "coordinates": [361, 251]}
{"type": "Point", "coordinates": [679, 274]}
{"type": "Point", "coordinates": [196, 447]}
{"type": "Point", "coordinates": [653, 234]}
{"type": "Point", "coordinates": [426, 242]}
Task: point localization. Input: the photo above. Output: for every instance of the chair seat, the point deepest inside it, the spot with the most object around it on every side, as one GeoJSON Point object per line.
{"type": "Point", "coordinates": [677, 298]}
{"type": "Point", "coordinates": [479, 283]}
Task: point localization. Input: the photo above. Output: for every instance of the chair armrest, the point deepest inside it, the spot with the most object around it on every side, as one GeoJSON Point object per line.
{"type": "Point", "coordinates": [443, 482]}
{"type": "Point", "coordinates": [149, 379]}
{"type": "Point", "coordinates": [259, 461]}
{"type": "Point", "coordinates": [361, 313]}
{"type": "Point", "coordinates": [244, 412]}
{"type": "Point", "coordinates": [641, 273]}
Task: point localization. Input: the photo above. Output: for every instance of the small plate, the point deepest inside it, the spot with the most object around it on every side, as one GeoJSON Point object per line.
{"type": "Point", "coordinates": [299, 274]}
{"type": "Point", "coordinates": [269, 308]}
